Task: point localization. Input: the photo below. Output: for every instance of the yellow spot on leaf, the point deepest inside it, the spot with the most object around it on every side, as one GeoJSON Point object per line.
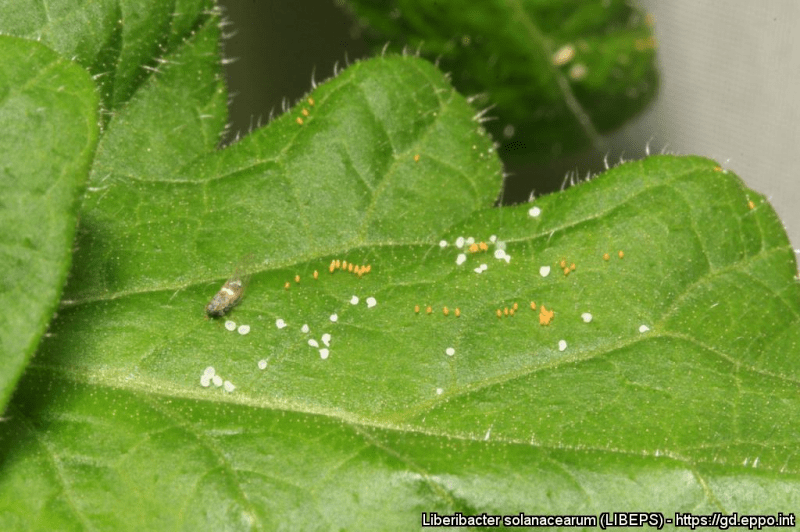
{"type": "Point", "coordinates": [545, 316]}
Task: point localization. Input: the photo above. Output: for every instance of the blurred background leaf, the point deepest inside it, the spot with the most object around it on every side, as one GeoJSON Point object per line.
{"type": "Point", "coordinates": [556, 75]}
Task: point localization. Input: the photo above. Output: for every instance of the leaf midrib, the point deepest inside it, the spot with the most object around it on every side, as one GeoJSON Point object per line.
{"type": "Point", "coordinates": [363, 426]}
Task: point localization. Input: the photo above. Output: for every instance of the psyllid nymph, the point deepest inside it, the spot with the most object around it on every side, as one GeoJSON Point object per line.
{"type": "Point", "coordinates": [228, 297]}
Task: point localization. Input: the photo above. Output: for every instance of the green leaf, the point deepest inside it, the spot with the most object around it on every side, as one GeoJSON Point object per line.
{"type": "Point", "coordinates": [49, 124]}
{"type": "Point", "coordinates": [681, 417]}
{"type": "Point", "coordinates": [285, 193]}
{"type": "Point", "coordinates": [119, 42]}
{"type": "Point", "coordinates": [560, 74]}
{"type": "Point", "coordinates": [111, 427]}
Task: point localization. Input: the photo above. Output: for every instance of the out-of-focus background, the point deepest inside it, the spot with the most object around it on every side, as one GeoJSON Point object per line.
{"type": "Point", "coordinates": [730, 86]}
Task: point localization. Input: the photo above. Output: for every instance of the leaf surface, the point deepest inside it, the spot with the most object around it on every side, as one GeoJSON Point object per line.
{"type": "Point", "coordinates": [120, 43]}
{"type": "Point", "coordinates": [408, 411]}
{"type": "Point", "coordinates": [49, 124]}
